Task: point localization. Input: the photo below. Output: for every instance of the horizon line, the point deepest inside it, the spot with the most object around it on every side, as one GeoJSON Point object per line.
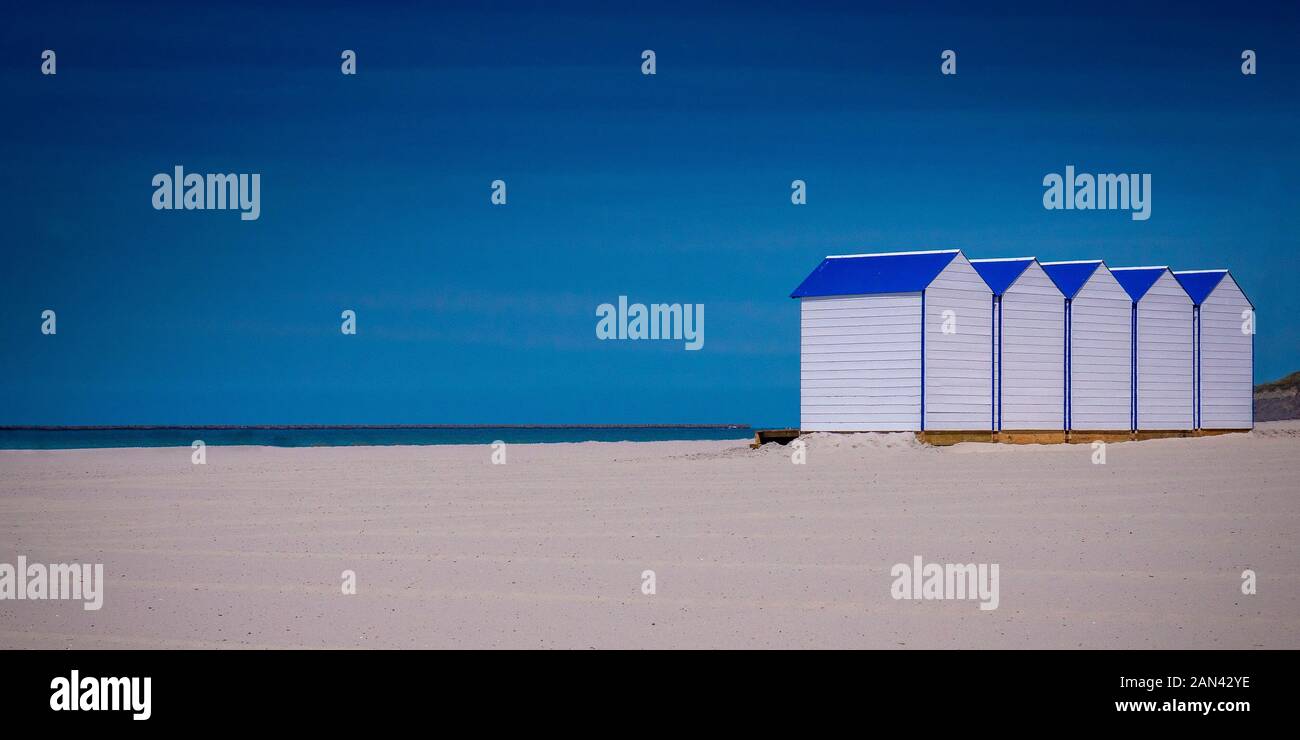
{"type": "Point", "coordinates": [141, 427]}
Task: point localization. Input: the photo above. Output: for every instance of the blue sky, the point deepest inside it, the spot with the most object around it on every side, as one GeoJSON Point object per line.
{"type": "Point", "coordinates": [666, 188]}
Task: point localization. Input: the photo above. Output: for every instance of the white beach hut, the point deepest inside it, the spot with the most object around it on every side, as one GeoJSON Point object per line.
{"type": "Point", "coordinates": [895, 342]}
{"type": "Point", "coordinates": [1098, 346]}
{"type": "Point", "coordinates": [1163, 397]}
{"type": "Point", "coordinates": [1224, 341]}
{"type": "Point", "coordinates": [1028, 345]}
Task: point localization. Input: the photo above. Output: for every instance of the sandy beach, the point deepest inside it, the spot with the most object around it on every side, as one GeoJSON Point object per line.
{"type": "Point", "coordinates": [748, 549]}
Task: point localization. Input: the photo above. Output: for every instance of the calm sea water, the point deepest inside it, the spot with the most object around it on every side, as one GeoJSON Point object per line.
{"type": "Point", "coordinates": [64, 439]}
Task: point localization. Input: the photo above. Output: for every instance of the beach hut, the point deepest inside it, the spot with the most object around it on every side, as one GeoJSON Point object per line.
{"type": "Point", "coordinates": [1098, 346]}
{"type": "Point", "coordinates": [895, 342]}
{"type": "Point", "coordinates": [1163, 396]}
{"type": "Point", "coordinates": [1224, 341]}
{"type": "Point", "coordinates": [1028, 329]}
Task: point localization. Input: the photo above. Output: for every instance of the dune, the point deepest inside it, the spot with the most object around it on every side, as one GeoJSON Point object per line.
{"type": "Point", "coordinates": [747, 549]}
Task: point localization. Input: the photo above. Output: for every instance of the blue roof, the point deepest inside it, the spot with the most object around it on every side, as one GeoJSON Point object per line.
{"type": "Point", "coordinates": [1000, 274]}
{"type": "Point", "coordinates": [867, 274]}
{"type": "Point", "coordinates": [1200, 283]}
{"type": "Point", "coordinates": [1070, 276]}
{"type": "Point", "coordinates": [1138, 280]}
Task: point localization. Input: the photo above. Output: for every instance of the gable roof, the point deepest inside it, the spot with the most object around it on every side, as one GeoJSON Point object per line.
{"type": "Point", "coordinates": [1000, 274]}
{"type": "Point", "coordinates": [1138, 280]}
{"type": "Point", "coordinates": [1199, 284]}
{"type": "Point", "coordinates": [867, 274]}
{"type": "Point", "coordinates": [1070, 277]}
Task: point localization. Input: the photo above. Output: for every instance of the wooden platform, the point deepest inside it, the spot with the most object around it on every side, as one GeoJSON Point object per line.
{"type": "Point", "coordinates": [1031, 437]}
{"type": "Point", "coordinates": [1017, 437]}
{"type": "Point", "coordinates": [943, 439]}
{"type": "Point", "coordinates": [1163, 434]}
{"type": "Point", "coordinates": [1217, 432]}
{"type": "Point", "coordinates": [780, 436]}
{"type": "Point", "coordinates": [1083, 436]}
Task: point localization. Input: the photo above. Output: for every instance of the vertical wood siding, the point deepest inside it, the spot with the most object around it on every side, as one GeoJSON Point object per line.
{"type": "Point", "coordinates": [860, 363]}
{"type": "Point", "coordinates": [1227, 369]}
{"type": "Point", "coordinates": [1164, 336]}
{"type": "Point", "coordinates": [1033, 353]}
{"type": "Point", "coordinates": [957, 365]}
{"type": "Point", "coordinates": [1100, 355]}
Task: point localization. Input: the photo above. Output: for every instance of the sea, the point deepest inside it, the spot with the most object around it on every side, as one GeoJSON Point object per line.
{"type": "Point", "coordinates": [67, 438]}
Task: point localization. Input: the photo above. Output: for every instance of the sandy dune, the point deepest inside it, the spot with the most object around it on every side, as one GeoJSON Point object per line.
{"type": "Point", "coordinates": [748, 549]}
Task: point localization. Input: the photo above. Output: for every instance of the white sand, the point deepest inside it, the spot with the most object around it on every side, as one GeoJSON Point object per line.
{"type": "Point", "coordinates": [749, 550]}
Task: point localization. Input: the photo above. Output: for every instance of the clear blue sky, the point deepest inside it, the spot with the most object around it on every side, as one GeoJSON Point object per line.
{"type": "Point", "coordinates": [671, 188]}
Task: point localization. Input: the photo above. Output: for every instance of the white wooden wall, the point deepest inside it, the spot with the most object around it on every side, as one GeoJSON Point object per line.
{"type": "Point", "coordinates": [1101, 325]}
{"type": "Point", "coordinates": [860, 363]}
{"type": "Point", "coordinates": [958, 366]}
{"type": "Point", "coordinates": [1164, 372]}
{"type": "Point", "coordinates": [1033, 353]}
{"type": "Point", "coordinates": [1227, 368]}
